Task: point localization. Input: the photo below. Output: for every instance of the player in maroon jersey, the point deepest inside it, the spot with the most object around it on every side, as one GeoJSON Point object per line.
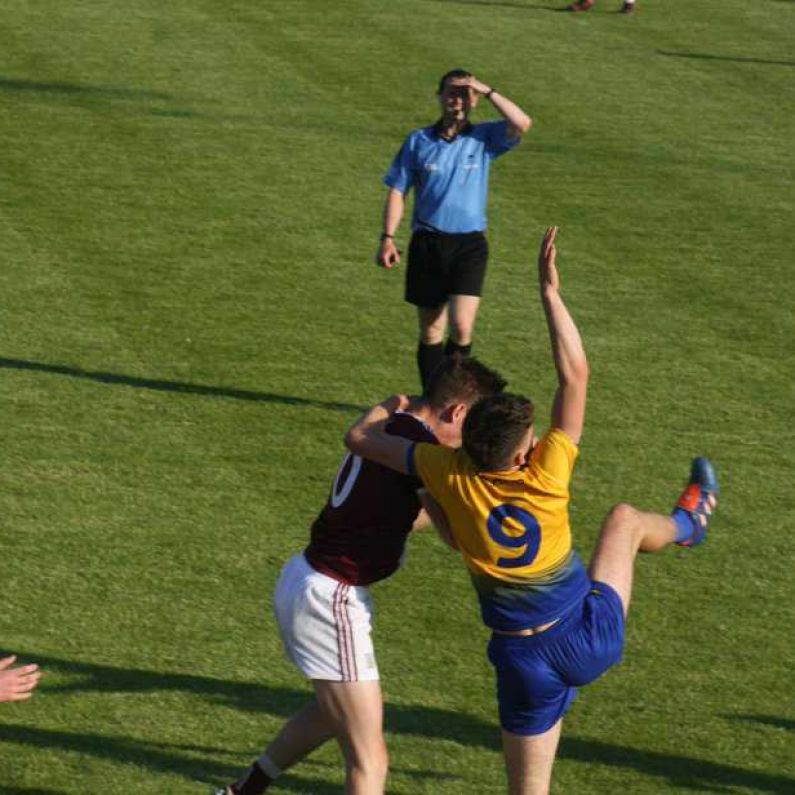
{"type": "Point", "coordinates": [322, 604]}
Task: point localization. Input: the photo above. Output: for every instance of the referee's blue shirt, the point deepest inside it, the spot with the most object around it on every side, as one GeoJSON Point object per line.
{"type": "Point", "coordinates": [450, 178]}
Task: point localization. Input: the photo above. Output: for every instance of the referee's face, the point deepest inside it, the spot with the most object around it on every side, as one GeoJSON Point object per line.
{"type": "Point", "coordinates": [457, 100]}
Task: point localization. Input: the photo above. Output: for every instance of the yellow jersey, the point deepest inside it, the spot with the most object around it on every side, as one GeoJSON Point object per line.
{"type": "Point", "coordinates": [512, 528]}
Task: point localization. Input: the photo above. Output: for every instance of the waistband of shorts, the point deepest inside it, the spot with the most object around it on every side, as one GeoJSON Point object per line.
{"type": "Point", "coordinates": [424, 232]}
{"type": "Point", "coordinates": [526, 633]}
{"type": "Point", "coordinates": [329, 575]}
{"type": "Point", "coordinates": [540, 638]}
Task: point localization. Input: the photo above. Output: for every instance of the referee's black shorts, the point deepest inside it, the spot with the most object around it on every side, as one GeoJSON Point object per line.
{"type": "Point", "coordinates": [441, 265]}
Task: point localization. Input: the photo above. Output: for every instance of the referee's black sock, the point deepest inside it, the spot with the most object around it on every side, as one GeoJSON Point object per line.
{"type": "Point", "coordinates": [453, 348]}
{"type": "Point", "coordinates": [428, 359]}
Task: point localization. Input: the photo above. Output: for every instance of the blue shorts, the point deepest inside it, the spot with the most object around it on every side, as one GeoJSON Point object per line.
{"type": "Point", "coordinates": [538, 676]}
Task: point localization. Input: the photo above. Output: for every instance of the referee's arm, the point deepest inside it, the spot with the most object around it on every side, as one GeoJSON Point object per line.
{"type": "Point", "coordinates": [518, 121]}
{"type": "Point", "coordinates": [388, 255]}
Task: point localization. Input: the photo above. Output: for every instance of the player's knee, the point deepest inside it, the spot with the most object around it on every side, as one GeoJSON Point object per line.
{"type": "Point", "coordinates": [371, 765]}
{"type": "Point", "coordinates": [383, 763]}
{"type": "Point", "coordinates": [621, 518]}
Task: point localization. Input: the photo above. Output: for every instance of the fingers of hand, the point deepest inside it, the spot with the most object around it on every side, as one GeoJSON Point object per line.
{"type": "Point", "coordinates": [17, 685]}
{"type": "Point", "coordinates": [24, 684]}
{"type": "Point", "coordinates": [549, 238]}
{"type": "Point", "coordinates": [7, 662]}
{"type": "Point", "coordinates": [28, 683]}
{"type": "Point", "coordinates": [19, 697]}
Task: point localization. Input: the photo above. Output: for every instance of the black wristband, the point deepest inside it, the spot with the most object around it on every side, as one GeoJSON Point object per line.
{"type": "Point", "coordinates": [386, 236]}
{"type": "Point", "coordinates": [490, 92]}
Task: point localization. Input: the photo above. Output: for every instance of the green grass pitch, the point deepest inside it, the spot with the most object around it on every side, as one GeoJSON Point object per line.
{"type": "Point", "coordinates": [190, 318]}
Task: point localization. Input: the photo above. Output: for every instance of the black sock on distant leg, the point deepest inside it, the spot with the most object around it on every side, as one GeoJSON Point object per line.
{"type": "Point", "coordinates": [453, 348]}
{"type": "Point", "coordinates": [255, 782]}
{"type": "Point", "coordinates": [428, 359]}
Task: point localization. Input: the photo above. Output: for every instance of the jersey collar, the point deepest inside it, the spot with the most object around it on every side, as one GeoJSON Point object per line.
{"type": "Point", "coordinates": [437, 131]}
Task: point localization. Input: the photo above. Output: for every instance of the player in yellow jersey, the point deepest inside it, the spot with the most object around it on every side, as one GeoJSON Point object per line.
{"type": "Point", "coordinates": [502, 501]}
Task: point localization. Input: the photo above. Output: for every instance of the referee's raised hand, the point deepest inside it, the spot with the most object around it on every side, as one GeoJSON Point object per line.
{"type": "Point", "coordinates": [471, 82]}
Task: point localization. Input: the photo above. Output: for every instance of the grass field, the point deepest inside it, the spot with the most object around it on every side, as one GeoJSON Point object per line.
{"type": "Point", "coordinates": [189, 319]}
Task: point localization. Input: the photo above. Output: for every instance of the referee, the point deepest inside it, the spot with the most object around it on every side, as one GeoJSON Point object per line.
{"type": "Point", "coordinates": [447, 164]}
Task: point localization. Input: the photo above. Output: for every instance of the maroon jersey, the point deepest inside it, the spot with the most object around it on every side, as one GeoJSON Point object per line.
{"type": "Point", "coordinates": [360, 535]}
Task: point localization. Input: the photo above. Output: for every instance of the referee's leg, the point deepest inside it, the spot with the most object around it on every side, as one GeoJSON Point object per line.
{"type": "Point", "coordinates": [462, 312]}
{"type": "Point", "coordinates": [430, 348]}
{"type": "Point", "coordinates": [467, 259]}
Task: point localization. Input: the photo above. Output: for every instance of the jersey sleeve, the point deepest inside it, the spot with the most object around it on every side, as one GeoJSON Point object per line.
{"type": "Point", "coordinates": [498, 142]}
{"type": "Point", "coordinates": [554, 457]}
{"type": "Point", "coordinates": [433, 465]}
{"type": "Point", "coordinates": [400, 175]}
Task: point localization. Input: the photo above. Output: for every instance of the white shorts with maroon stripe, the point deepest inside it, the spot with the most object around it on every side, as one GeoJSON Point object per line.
{"type": "Point", "coordinates": [325, 624]}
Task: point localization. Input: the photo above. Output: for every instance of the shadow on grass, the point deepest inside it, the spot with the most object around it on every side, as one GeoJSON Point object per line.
{"type": "Point", "coordinates": [174, 386]}
{"type": "Point", "coordinates": [678, 771]}
{"type": "Point", "coordinates": [107, 96]}
{"type": "Point", "coordinates": [505, 4]}
{"type": "Point", "coordinates": [416, 720]}
{"type": "Point", "coordinates": [148, 755]}
{"type": "Point", "coordinates": [735, 58]}
{"type": "Point", "coordinates": [260, 698]}
{"type": "Point", "coordinates": [16, 85]}
{"type": "Point", "coordinates": [156, 758]}
{"type": "Point", "coordinates": [767, 720]}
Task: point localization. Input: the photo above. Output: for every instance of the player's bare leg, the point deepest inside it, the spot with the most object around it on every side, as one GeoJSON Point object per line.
{"type": "Point", "coordinates": [356, 711]}
{"type": "Point", "coordinates": [462, 311]}
{"type": "Point", "coordinates": [627, 531]}
{"type": "Point", "coordinates": [302, 734]}
{"type": "Point", "coordinates": [529, 760]}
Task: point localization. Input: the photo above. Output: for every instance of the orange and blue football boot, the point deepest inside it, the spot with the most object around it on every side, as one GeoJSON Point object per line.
{"type": "Point", "coordinates": [694, 508]}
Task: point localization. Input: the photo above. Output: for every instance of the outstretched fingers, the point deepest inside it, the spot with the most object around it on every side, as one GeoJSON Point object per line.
{"type": "Point", "coordinates": [547, 271]}
{"type": "Point", "coordinates": [17, 684]}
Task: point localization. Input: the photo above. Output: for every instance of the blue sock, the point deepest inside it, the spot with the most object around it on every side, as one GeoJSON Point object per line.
{"type": "Point", "coordinates": [686, 525]}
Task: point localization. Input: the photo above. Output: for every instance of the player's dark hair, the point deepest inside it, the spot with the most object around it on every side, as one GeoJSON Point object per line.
{"type": "Point", "coordinates": [452, 73]}
{"type": "Point", "coordinates": [494, 428]}
{"type": "Point", "coordinates": [462, 379]}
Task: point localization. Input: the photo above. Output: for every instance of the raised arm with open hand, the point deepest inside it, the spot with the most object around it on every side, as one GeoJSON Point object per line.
{"type": "Point", "coordinates": [568, 410]}
{"type": "Point", "coordinates": [519, 122]}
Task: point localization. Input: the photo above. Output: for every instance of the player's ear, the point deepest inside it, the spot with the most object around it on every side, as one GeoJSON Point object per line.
{"type": "Point", "coordinates": [457, 412]}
